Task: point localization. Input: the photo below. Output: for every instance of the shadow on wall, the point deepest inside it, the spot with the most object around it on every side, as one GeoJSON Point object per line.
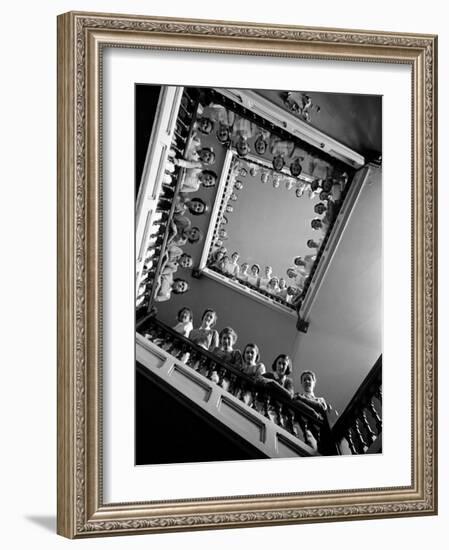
{"type": "Point", "coordinates": [48, 523]}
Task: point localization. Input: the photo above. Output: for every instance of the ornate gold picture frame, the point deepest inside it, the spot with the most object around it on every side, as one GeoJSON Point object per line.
{"type": "Point", "coordinates": [82, 508]}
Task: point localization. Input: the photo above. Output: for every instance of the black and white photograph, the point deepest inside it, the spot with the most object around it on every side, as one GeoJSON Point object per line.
{"type": "Point", "coordinates": [237, 234]}
{"type": "Point", "coordinates": [258, 252]}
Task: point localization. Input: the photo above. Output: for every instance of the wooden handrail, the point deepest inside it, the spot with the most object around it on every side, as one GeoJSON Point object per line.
{"type": "Point", "coordinates": [261, 291]}
{"type": "Point", "coordinates": [248, 381]}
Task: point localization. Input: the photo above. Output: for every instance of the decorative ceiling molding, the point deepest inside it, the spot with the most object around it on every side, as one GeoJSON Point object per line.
{"type": "Point", "coordinates": [290, 123]}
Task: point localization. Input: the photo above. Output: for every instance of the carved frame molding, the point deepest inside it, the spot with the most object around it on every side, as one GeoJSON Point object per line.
{"type": "Point", "coordinates": [81, 37]}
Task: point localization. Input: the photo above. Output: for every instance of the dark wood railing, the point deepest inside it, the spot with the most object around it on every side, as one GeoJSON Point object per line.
{"type": "Point", "coordinates": [360, 424]}
{"type": "Point", "coordinates": [167, 201]}
{"type": "Point", "coordinates": [217, 97]}
{"type": "Point", "coordinates": [261, 291]}
{"type": "Point", "coordinates": [267, 398]}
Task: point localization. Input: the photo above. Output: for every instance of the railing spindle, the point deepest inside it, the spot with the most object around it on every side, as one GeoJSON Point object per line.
{"type": "Point", "coordinates": [350, 441]}
{"type": "Point", "coordinates": [288, 420]}
{"type": "Point", "coordinates": [305, 431]}
{"type": "Point", "coordinates": [368, 430]}
{"type": "Point", "coordinates": [254, 398]}
{"type": "Point", "coordinates": [267, 407]}
{"type": "Point", "coordinates": [372, 409]}
{"type": "Point", "coordinates": [358, 438]}
{"type": "Point", "coordinates": [212, 373]}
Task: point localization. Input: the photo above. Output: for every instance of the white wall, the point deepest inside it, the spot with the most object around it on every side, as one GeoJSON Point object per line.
{"type": "Point", "coordinates": [28, 296]}
{"type": "Point", "coordinates": [344, 338]}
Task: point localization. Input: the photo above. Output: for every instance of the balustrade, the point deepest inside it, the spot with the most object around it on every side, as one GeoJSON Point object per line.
{"type": "Point", "coordinates": [360, 425]}
{"type": "Point", "coordinates": [263, 292]}
{"type": "Point", "coordinates": [355, 431]}
{"type": "Point", "coordinates": [171, 182]}
{"type": "Point", "coordinates": [260, 394]}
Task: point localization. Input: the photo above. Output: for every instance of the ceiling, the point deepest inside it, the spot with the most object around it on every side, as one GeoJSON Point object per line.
{"type": "Point", "coordinates": [353, 119]}
{"type": "Point", "coordinates": [270, 226]}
